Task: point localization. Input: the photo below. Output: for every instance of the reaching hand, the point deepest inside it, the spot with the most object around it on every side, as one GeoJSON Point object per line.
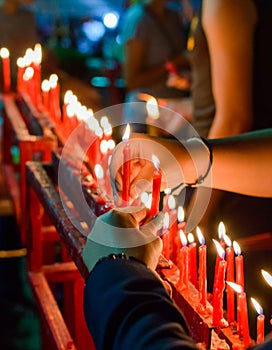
{"type": "Point", "coordinates": [142, 147]}
{"type": "Point", "coordinates": [119, 231]}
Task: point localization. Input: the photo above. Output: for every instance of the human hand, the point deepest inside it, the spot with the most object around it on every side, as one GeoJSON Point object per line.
{"type": "Point", "coordinates": [119, 231]}
{"type": "Point", "coordinates": [142, 147]}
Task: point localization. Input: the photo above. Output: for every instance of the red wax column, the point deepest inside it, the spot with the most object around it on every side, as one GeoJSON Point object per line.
{"type": "Point", "coordinates": [219, 286]}
{"type": "Point", "coordinates": [45, 94]}
{"type": "Point", "coordinates": [37, 58]}
{"type": "Point", "coordinates": [126, 165]}
{"type": "Point", "coordinates": [192, 260]}
{"type": "Point", "coordinates": [202, 268]}
{"type": "Point", "coordinates": [181, 226]}
{"type": "Point", "coordinates": [20, 72]}
{"type": "Point", "coordinates": [242, 306]}
{"type": "Point", "coordinates": [156, 187]}
{"type": "Point", "coordinates": [4, 53]}
{"type": "Point", "coordinates": [165, 236]}
{"type": "Point", "coordinates": [54, 98]}
{"type": "Point", "coordinates": [172, 228]}
{"type": "Point", "coordinates": [183, 262]}
{"type": "Point", "coordinates": [239, 265]}
{"type": "Point", "coordinates": [260, 321]}
{"type": "Point", "coordinates": [230, 278]}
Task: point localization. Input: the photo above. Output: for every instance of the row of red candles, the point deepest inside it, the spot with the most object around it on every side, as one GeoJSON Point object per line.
{"type": "Point", "coordinates": [228, 267]}
{"type": "Point", "coordinates": [185, 256]}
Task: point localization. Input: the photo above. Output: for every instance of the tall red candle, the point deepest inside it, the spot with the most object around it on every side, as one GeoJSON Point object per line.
{"type": "Point", "coordinates": [20, 72]}
{"type": "Point", "coordinates": [230, 277]}
{"type": "Point", "coordinates": [165, 236]}
{"type": "Point", "coordinates": [202, 269]}
{"type": "Point", "coordinates": [45, 94]}
{"type": "Point", "coordinates": [218, 287]}
{"type": "Point", "coordinates": [156, 187]}
{"type": "Point", "coordinates": [37, 58]}
{"type": "Point", "coordinates": [260, 321]}
{"type": "Point", "coordinates": [4, 53]}
{"type": "Point", "coordinates": [173, 228]}
{"type": "Point", "coordinates": [239, 265]}
{"type": "Point", "coordinates": [242, 326]}
{"type": "Point", "coordinates": [181, 226]}
{"type": "Point", "coordinates": [192, 259]}
{"type": "Point", "coordinates": [126, 165]}
{"type": "Point", "coordinates": [183, 262]}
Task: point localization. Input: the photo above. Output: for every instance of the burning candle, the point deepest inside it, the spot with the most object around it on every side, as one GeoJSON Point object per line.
{"type": "Point", "coordinates": [230, 277]}
{"type": "Point", "coordinates": [218, 287]}
{"type": "Point", "coordinates": [202, 268]}
{"type": "Point", "coordinates": [54, 98]}
{"type": "Point", "coordinates": [183, 262]}
{"type": "Point", "coordinates": [165, 236]}
{"type": "Point", "coordinates": [45, 94]}
{"type": "Point", "coordinates": [192, 259]}
{"type": "Point", "coordinates": [267, 277]}
{"type": "Point", "coordinates": [20, 72]}
{"type": "Point", "coordinates": [27, 78]}
{"type": "Point", "coordinates": [156, 187]}
{"type": "Point", "coordinates": [239, 265]}
{"type": "Point", "coordinates": [152, 109]}
{"type": "Point", "coordinates": [242, 313]}
{"type": "Point", "coordinates": [126, 165]}
{"type": "Point", "coordinates": [37, 59]}
{"type": "Point", "coordinates": [181, 226]}
{"type": "Point", "coordinates": [260, 321]}
{"type": "Point", "coordinates": [4, 54]}
{"type": "Point", "coordinates": [221, 233]}
{"type": "Point", "coordinates": [173, 227]}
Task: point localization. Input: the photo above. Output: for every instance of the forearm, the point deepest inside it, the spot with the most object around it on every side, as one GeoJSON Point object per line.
{"type": "Point", "coordinates": [127, 307]}
{"type": "Point", "coordinates": [243, 163]}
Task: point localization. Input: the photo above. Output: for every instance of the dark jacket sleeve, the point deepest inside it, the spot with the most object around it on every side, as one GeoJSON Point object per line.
{"type": "Point", "coordinates": [126, 307]}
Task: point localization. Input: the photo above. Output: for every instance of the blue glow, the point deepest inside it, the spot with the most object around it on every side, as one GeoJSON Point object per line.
{"type": "Point", "coordinates": [110, 20]}
{"type": "Point", "coordinates": [94, 30]}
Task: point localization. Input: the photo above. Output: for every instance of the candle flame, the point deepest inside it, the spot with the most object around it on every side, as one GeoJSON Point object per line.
{"type": "Point", "coordinates": [152, 108]}
{"type": "Point", "coordinates": [219, 248]}
{"type": "Point", "coordinates": [104, 121]}
{"type": "Point", "coordinates": [68, 96]}
{"type": "Point", "coordinates": [45, 85]}
{"type": "Point", "coordinates": [53, 80]}
{"type": "Point", "coordinates": [111, 144]}
{"type": "Point", "coordinates": [99, 172]}
{"type": "Point", "coordinates": [183, 238]}
{"type": "Point", "coordinates": [257, 306]}
{"type": "Point", "coordinates": [236, 287]}
{"type": "Point", "coordinates": [21, 62]}
{"type": "Point", "coordinates": [171, 202]}
{"type": "Point", "coordinates": [155, 161]}
{"type": "Point", "coordinates": [37, 54]}
{"type": "Point", "coordinates": [167, 190]}
{"type": "Point", "coordinates": [190, 238]}
{"type": "Point", "coordinates": [146, 199]}
{"type": "Point", "coordinates": [221, 230]}
{"type": "Point", "coordinates": [166, 221]}
{"type": "Point", "coordinates": [29, 73]}
{"type": "Point", "coordinates": [227, 240]}
{"type": "Point", "coordinates": [4, 52]}
{"type": "Point", "coordinates": [236, 248]}
{"type": "Point", "coordinates": [126, 133]}
{"type": "Point", "coordinates": [181, 214]}
{"type": "Point", "coordinates": [267, 277]}
{"type": "Point", "coordinates": [104, 146]}
{"type": "Point", "coordinates": [200, 236]}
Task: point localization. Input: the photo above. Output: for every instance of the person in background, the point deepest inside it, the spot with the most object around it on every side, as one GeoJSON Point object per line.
{"type": "Point", "coordinates": [154, 37]}
{"type": "Point", "coordinates": [126, 305]}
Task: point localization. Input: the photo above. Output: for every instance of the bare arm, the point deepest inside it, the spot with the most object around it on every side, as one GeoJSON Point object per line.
{"type": "Point", "coordinates": [229, 28]}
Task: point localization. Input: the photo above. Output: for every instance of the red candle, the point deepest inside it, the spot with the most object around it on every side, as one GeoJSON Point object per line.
{"type": "Point", "coordinates": [126, 166]}
{"type": "Point", "coordinates": [218, 287]}
{"type": "Point", "coordinates": [156, 187]}
{"type": "Point", "coordinates": [165, 236]}
{"type": "Point", "coordinates": [54, 98]}
{"type": "Point", "coordinates": [183, 262]}
{"type": "Point", "coordinates": [20, 72]}
{"type": "Point", "coordinates": [45, 94]}
{"type": "Point", "coordinates": [239, 265]}
{"type": "Point", "coordinates": [4, 53]}
{"type": "Point", "coordinates": [202, 268]}
{"type": "Point", "coordinates": [181, 226]}
{"type": "Point", "coordinates": [173, 227]}
{"type": "Point", "coordinates": [243, 327]}
{"type": "Point", "coordinates": [260, 321]}
{"type": "Point", "coordinates": [230, 277]}
{"type": "Point", "coordinates": [192, 259]}
{"type": "Point", "coordinates": [37, 58]}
